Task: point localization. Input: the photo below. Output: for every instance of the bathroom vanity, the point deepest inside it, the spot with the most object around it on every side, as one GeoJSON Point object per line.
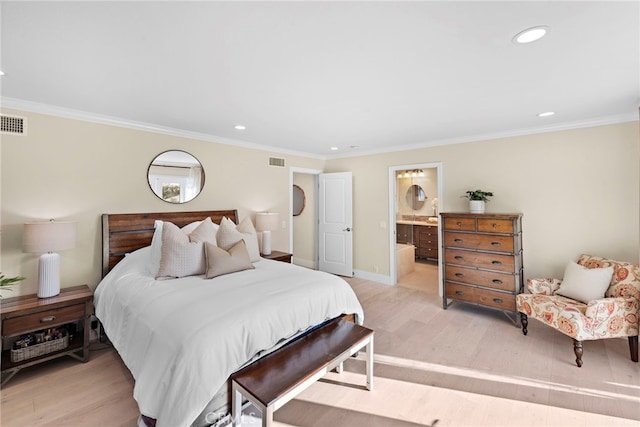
{"type": "Point", "coordinates": [422, 234]}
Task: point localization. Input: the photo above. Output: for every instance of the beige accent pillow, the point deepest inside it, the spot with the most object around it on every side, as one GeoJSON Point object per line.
{"type": "Point", "coordinates": [584, 284]}
{"type": "Point", "coordinates": [221, 262]}
{"type": "Point", "coordinates": [228, 235]}
{"type": "Point", "coordinates": [182, 254]}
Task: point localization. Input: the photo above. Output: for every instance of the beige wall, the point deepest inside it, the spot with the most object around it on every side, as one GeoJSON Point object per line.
{"type": "Point", "coordinates": [304, 225]}
{"type": "Point", "coordinates": [75, 170]}
{"type": "Point", "coordinates": [578, 191]}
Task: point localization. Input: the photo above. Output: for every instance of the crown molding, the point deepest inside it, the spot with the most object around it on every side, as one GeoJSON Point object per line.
{"type": "Point", "coordinates": [600, 121]}
{"type": "Point", "coordinates": [68, 113]}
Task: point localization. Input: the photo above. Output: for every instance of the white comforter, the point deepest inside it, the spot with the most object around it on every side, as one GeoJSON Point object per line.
{"type": "Point", "coordinates": [181, 339]}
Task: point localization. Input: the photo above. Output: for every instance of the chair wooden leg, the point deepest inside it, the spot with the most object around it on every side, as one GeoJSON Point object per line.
{"type": "Point", "coordinates": [577, 349]}
{"type": "Point", "coordinates": [633, 348]}
{"type": "Point", "coordinates": [525, 322]}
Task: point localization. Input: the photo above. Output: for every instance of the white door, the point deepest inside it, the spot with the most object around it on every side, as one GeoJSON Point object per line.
{"type": "Point", "coordinates": [335, 228]}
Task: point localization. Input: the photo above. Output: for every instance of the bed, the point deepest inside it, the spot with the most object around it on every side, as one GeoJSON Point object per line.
{"type": "Point", "coordinates": [182, 338]}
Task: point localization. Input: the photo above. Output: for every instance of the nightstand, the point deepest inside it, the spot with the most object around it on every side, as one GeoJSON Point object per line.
{"type": "Point", "coordinates": [28, 313]}
{"type": "Point", "coordinates": [278, 256]}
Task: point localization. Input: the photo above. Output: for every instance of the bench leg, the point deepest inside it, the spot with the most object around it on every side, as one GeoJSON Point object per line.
{"type": "Point", "coordinates": [340, 367]}
{"type": "Point", "coordinates": [267, 417]}
{"type": "Point", "coordinates": [370, 364]}
{"type": "Point", "coordinates": [236, 405]}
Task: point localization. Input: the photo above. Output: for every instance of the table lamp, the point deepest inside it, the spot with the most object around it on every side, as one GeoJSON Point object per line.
{"type": "Point", "coordinates": [266, 222]}
{"type": "Point", "coordinates": [46, 238]}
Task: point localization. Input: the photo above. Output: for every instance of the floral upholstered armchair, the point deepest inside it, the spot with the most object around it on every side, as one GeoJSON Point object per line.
{"type": "Point", "coordinates": [609, 314]}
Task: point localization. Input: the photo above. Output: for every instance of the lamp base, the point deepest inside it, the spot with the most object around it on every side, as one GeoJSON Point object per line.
{"type": "Point", "coordinates": [266, 242]}
{"type": "Point", "coordinates": [48, 275]}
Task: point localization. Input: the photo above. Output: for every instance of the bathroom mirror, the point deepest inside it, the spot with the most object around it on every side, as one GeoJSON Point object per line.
{"type": "Point", "coordinates": [175, 176]}
{"type": "Point", "coordinates": [416, 197]}
{"type": "Point", "coordinates": [299, 200]}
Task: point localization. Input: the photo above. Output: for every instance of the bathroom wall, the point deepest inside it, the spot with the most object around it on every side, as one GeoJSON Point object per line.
{"type": "Point", "coordinates": [428, 182]}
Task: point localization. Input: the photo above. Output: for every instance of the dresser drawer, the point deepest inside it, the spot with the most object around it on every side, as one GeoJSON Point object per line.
{"type": "Point", "coordinates": [458, 223]}
{"type": "Point", "coordinates": [489, 298]}
{"type": "Point", "coordinates": [431, 244]}
{"type": "Point", "coordinates": [489, 279]}
{"type": "Point", "coordinates": [488, 225]}
{"type": "Point", "coordinates": [481, 260]}
{"type": "Point", "coordinates": [486, 242]}
{"type": "Point", "coordinates": [427, 252]}
{"type": "Point", "coordinates": [42, 319]}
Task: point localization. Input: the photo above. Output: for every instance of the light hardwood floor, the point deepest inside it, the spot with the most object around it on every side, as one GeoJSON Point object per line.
{"type": "Point", "coordinates": [464, 366]}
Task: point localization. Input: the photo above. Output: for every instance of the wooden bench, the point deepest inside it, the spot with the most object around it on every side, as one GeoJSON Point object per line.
{"type": "Point", "coordinates": [275, 379]}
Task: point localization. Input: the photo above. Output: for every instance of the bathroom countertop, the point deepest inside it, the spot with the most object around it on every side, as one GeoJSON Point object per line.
{"type": "Point", "coordinates": [404, 221]}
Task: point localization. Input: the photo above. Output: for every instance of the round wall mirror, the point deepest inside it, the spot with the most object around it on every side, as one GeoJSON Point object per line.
{"type": "Point", "coordinates": [416, 197]}
{"type": "Point", "coordinates": [299, 200]}
{"type": "Point", "coordinates": [175, 176]}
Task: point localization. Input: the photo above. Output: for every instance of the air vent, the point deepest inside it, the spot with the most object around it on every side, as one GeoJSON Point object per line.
{"type": "Point", "coordinates": [274, 161]}
{"type": "Point", "coordinates": [13, 125]}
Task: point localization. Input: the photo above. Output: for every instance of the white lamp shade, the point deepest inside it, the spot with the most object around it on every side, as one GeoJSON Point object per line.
{"type": "Point", "coordinates": [51, 236]}
{"type": "Point", "coordinates": [266, 221]}
{"type": "Point", "coordinates": [46, 238]}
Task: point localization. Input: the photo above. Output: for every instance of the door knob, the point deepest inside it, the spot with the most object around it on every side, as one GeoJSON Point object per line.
{"type": "Point", "coordinates": [347, 229]}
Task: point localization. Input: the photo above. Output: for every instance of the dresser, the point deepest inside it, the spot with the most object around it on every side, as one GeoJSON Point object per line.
{"type": "Point", "coordinates": [482, 256]}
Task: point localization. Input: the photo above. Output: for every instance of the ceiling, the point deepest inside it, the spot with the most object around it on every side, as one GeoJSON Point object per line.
{"type": "Point", "coordinates": [307, 76]}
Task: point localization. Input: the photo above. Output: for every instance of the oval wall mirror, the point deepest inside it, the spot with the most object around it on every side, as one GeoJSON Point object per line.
{"type": "Point", "coordinates": [299, 200]}
{"type": "Point", "coordinates": [175, 176]}
{"type": "Point", "coordinates": [416, 197]}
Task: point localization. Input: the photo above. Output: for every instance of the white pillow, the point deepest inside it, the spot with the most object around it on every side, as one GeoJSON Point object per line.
{"type": "Point", "coordinates": [156, 249]}
{"type": "Point", "coordinates": [183, 254]}
{"type": "Point", "coordinates": [228, 235]}
{"type": "Point", "coordinates": [585, 284]}
{"type": "Point", "coordinates": [156, 242]}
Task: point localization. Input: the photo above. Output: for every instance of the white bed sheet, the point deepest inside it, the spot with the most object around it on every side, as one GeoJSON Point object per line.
{"type": "Point", "coordinates": [181, 339]}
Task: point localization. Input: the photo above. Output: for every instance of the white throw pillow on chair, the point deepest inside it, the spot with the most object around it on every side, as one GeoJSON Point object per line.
{"type": "Point", "coordinates": [584, 284]}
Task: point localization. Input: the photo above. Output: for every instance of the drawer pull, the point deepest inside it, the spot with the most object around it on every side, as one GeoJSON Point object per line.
{"type": "Point", "coordinates": [494, 225]}
{"type": "Point", "coordinates": [497, 281]}
{"type": "Point", "coordinates": [457, 240]}
{"type": "Point", "coordinates": [459, 275]}
{"type": "Point", "coordinates": [459, 257]}
{"type": "Point", "coordinates": [498, 300]}
{"type": "Point", "coordinates": [496, 262]}
{"type": "Point", "coordinates": [47, 319]}
{"type": "Point", "coordinates": [459, 293]}
{"type": "Point", "coordinates": [458, 223]}
{"type": "Point", "coordinates": [495, 243]}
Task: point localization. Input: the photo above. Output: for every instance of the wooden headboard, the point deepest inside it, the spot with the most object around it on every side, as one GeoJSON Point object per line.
{"type": "Point", "coordinates": [124, 233]}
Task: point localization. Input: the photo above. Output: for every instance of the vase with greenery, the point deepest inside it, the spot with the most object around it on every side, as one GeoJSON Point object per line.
{"type": "Point", "coordinates": [7, 282]}
{"type": "Point", "coordinates": [477, 199]}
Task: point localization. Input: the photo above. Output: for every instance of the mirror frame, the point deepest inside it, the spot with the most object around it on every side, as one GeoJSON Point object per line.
{"type": "Point", "coordinates": [202, 178]}
{"type": "Point", "coordinates": [299, 200]}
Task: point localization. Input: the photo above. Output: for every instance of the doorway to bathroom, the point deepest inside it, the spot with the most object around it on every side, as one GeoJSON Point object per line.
{"type": "Point", "coordinates": [415, 197]}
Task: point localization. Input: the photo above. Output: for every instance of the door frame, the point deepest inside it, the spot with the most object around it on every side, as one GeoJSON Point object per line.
{"type": "Point", "coordinates": [393, 188]}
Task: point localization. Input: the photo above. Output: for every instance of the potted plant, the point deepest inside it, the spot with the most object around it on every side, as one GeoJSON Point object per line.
{"type": "Point", "coordinates": [6, 282]}
{"type": "Point", "coordinates": [477, 199]}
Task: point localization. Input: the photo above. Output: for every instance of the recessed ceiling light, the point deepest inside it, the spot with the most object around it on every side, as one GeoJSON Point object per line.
{"type": "Point", "coordinates": [531, 34]}
{"type": "Point", "coordinates": [546, 114]}
{"type": "Point", "coordinates": [239, 127]}
{"type": "Point", "coordinates": [334, 148]}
